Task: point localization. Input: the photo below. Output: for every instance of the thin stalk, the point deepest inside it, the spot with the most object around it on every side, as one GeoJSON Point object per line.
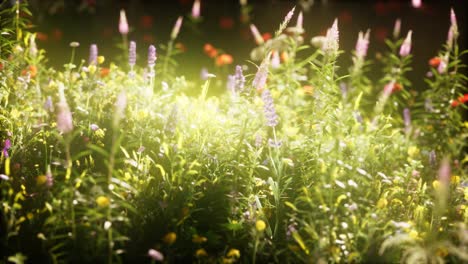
{"type": "Point", "coordinates": [170, 45]}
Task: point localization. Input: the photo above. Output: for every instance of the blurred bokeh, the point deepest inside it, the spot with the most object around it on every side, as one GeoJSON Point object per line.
{"type": "Point", "coordinates": [96, 21]}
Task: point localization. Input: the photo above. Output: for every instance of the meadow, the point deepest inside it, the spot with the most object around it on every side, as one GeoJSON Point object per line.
{"type": "Point", "coordinates": [127, 161]}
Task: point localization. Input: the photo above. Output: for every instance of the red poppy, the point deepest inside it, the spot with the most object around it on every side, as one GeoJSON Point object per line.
{"type": "Point", "coordinates": [226, 22]}
{"type": "Point", "coordinates": [104, 72]}
{"type": "Point", "coordinates": [396, 87]}
{"type": "Point", "coordinates": [454, 103]}
{"type": "Point", "coordinates": [434, 62]}
{"type": "Point", "coordinates": [266, 36]}
{"type": "Point", "coordinates": [146, 21]}
{"type": "Point", "coordinates": [463, 99]}
{"type": "Point", "coordinates": [224, 59]}
{"type": "Point", "coordinates": [210, 50]}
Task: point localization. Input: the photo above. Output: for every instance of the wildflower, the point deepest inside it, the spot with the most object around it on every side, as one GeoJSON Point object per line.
{"type": "Point", "coordinates": [239, 79]}
{"type": "Point", "coordinates": [196, 9]}
{"type": "Point", "coordinates": [405, 48]}
{"type": "Point", "coordinates": [454, 103]}
{"type": "Point", "coordinates": [331, 44]}
{"type": "Point", "coordinates": [432, 158]}
{"type": "Point", "coordinates": [102, 201]}
{"type": "Point", "coordinates": [413, 234]}
{"type": "Point", "coordinates": [94, 127]}
{"type": "Point", "coordinates": [6, 147]}
{"type": "Point", "coordinates": [31, 70]}
{"type": "Point", "coordinates": [49, 105]}
{"type": "Point", "coordinates": [258, 140]}
{"type": "Point", "coordinates": [275, 60]}
{"type": "Point", "coordinates": [445, 172]}
{"type": "Point", "coordinates": [262, 74]}
{"type": "Point", "coordinates": [416, 3]}
{"type": "Point", "coordinates": [74, 44]}
{"type": "Point", "coordinates": [93, 54]}
{"type": "Point", "coordinates": [233, 253]}
{"type": "Point", "coordinates": [223, 59]}
{"type": "Point", "coordinates": [123, 23]}
{"type": "Point", "coordinates": [155, 255]}
{"type": "Point", "coordinates": [64, 116]}
{"type": "Point", "coordinates": [266, 36]}
{"type": "Point", "coordinates": [362, 45]}
{"type": "Point", "coordinates": [392, 87]}
{"type": "Point", "coordinates": [170, 238]}
{"type": "Point", "coordinates": [269, 109]}
{"type": "Point", "coordinates": [104, 72]}
{"type": "Point", "coordinates": [32, 46]}
{"type": "Point", "coordinates": [199, 239]}
{"type": "Point", "coordinates": [260, 225]}
{"type": "Point", "coordinates": [257, 36]}
{"type": "Point", "coordinates": [210, 50]}
{"type": "Point", "coordinates": [434, 62]}
{"type": "Point", "coordinates": [382, 203]}
{"type": "Point", "coordinates": [397, 29]}
{"type": "Point", "coordinates": [453, 30]}
{"type": "Point", "coordinates": [151, 56]}
{"type": "Point", "coordinates": [176, 28]}
{"type": "Point", "coordinates": [132, 54]}
{"type": "Point", "coordinates": [204, 74]}
{"type": "Point", "coordinates": [200, 253]}
{"type": "Point", "coordinates": [455, 180]}
{"type": "Point", "coordinates": [407, 118]}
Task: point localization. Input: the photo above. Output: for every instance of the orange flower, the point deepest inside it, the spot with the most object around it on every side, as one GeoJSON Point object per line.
{"type": "Point", "coordinates": [454, 103]}
{"type": "Point", "coordinates": [210, 50]}
{"type": "Point", "coordinates": [308, 89]}
{"type": "Point", "coordinates": [224, 59]}
{"type": "Point", "coordinates": [397, 87]}
{"type": "Point", "coordinates": [266, 36]}
{"type": "Point", "coordinates": [42, 36]}
{"type": "Point", "coordinates": [284, 56]}
{"type": "Point", "coordinates": [434, 62]}
{"type": "Point", "coordinates": [180, 46]}
{"type": "Point", "coordinates": [463, 99]}
{"type": "Point", "coordinates": [104, 72]}
{"type": "Point", "coordinates": [31, 69]}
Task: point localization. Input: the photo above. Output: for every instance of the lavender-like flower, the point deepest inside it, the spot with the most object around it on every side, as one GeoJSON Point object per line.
{"type": "Point", "coordinates": [239, 79]}
{"type": "Point", "coordinates": [123, 23]}
{"type": "Point", "coordinates": [453, 30]}
{"type": "Point", "coordinates": [262, 74]}
{"type": "Point", "coordinates": [93, 54]}
{"type": "Point", "coordinates": [257, 36]}
{"type": "Point", "coordinates": [275, 60]}
{"type": "Point", "coordinates": [176, 28]}
{"type": "Point", "coordinates": [442, 68]}
{"type": "Point", "coordinates": [64, 117]}
{"type": "Point", "coordinates": [151, 56]}
{"type": "Point", "coordinates": [397, 29]}
{"type": "Point", "coordinates": [269, 109]}
{"type": "Point", "coordinates": [6, 147]}
{"type": "Point", "coordinates": [432, 158]}
{"type": "Point", "coordinates": [331, 44]}
{"type": "Point", "coordinates": [405, 48]}
{"type": "Point", "coordinates": [362, 45]}
{"type": "Point", "coordinates": [132, 54]}
{"type": "Point", "coordinates": [407, 120]}
{"type": "Point", "coordinates": [196, 9]}
{"type": "Point", "coordinates": [49, 105]}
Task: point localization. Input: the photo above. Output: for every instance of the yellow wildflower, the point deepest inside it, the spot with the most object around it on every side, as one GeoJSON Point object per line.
{"type": "Point", "coordinates": [413, 234]}
{"type": "Point", "coordinates": [199, 239]}
{"type": "Point", "coordinates": [233, 253]}
{"type": "Point", "coordinates": [102, 201]}
{"type": "Point", "coordinates": [101, 59]}
{"type": "Point", "coordinates": [260, 225]}
{"type": "Point", "coordinates": [170, 238]}
{"type": "Point", "coordinates": [455, 180]}
{"type": "Point", "coordinates": [92, 69]}
{"type": "Point", "coordinates": [382, 203]}
{"type": "Point", "coordinates": [41, 179]}
{"type": "Point", "coordinates": [436, 184]}
{"type": "Point", "coordinates": [200, 253]}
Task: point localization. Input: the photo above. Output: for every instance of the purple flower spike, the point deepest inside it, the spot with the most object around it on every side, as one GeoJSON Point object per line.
{"type": "Point", "coordinates": [6, 147]}
{"type": "Point", "coordinates": [269, 109]}
{"type": "Point", "coordinates": [262, 74]}
{"type": "Point", "coordinates": [151, 56]}
{"type": "Point", "coordinates": [132, 54]}
{"type": "Point", "coordinates": [362, 45]}
{"type": "Point", "coordinates": [93, 54]}
{"type": "Point", "coordinates": [240, 78]}
{"type": "Point", "coordinates": [405, 48]}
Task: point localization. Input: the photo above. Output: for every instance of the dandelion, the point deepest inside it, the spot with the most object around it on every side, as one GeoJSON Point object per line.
{"type": "Point", "coordinates": [196, 9]}
{"type": "Point", "coordinates": [257, 36]}
{"type": "Point", "coordinates": [132, 54]}
{"type": "Point", "coordinates": [269, 109]}
{"type": "Point", "coordinates": [362, 45]}
{"type": "Point", "coordinates": [102, 201]}
{"type": "Point", "coordinates": [176, 28]}
{"type": "Point", "coordinates": [260, 225]}
{"type": "Point", "coordinates": [93, 54]}
{"type": "Point", "coordinates": [405, 48]}
{"type": "Point", "coordinates": [397, 28]}
{"type": "Point", "coordinates": [123, 23]}
{"type": "Point", "coordinates": [331, 44]}
{"type": "Point", "coordinates": [151, 56]}
{"type": "Point", "coordinates": [155, 255]}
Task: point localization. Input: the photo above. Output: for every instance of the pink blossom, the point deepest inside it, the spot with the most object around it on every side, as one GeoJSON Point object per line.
{"type": "Point", "coordinates": [176, 28]}
{"type": "Point", "coordinates": [405, 48]}
{"type": "Point", "coordinates": [362, 45]}
{"type": "Point", "coordinates": [416, 3]}
{"type": "Point", "coordinates": [397, 28]}
{"type": "Point", "coordinates": [332, 38]}
{"type": "Point", "coordinates": [257, 36]}
{"type": "Point", "coordinates": [123, 23]}
{"type": "Point", "coordinates": [196, 9]}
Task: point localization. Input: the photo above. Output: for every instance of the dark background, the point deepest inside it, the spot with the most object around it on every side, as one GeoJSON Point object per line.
{"type": "Point", "coordinates": [96, 21]}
